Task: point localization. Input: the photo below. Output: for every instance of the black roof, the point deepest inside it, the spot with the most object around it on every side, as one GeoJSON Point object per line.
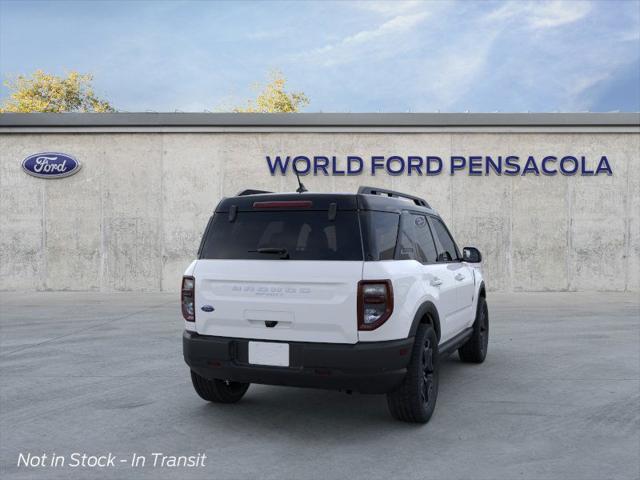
{"type": "Point", "coordinates": [322, 201]}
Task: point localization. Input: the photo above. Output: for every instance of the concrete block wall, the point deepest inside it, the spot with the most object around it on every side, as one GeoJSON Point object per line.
{"type": "Point", "coordinates": [132, 218]}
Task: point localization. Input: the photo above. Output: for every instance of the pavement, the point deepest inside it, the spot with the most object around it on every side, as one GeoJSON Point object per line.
{"type": "Point", "coordinates": [557, 398]}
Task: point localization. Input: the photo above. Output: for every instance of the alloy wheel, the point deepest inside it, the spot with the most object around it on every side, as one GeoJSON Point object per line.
{"type": "Point", "coordinates": [427, 372]}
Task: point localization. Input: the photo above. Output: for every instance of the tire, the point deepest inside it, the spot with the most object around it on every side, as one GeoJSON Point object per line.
{"type": "Point", "coordinates": [475, 349]}
{"type": "Point", "coordinates": [218, 391]}
{"type": "Point", "coordinates": [415, 399]}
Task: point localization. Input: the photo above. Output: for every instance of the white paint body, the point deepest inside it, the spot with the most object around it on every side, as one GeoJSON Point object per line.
{"type": "Point", "coordinates": [312, 301]}
{"type": "Point", "coordinates": [413, 286]}
{"type": "Point", "coordinates": [316, 301]}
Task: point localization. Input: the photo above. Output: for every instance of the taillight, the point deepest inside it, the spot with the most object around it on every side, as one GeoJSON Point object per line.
{"type": "Point", "coordinates": [188, 299]}
{"type": "Point", "coordinates": [375, 303]}
{"type": "Point", "coordinates": [284, 204]}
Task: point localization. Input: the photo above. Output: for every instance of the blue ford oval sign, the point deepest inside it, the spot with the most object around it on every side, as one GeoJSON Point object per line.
{"type": "Point", "coordinates": [50, 165]}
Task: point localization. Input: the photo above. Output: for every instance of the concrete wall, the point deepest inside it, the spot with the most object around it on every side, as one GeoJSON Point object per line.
{"type": "Point", "coordinates": [131, 219]}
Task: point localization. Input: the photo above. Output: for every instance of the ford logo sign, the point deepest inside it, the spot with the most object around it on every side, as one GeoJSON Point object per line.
{"type": "Point", "coordinates": [50, 165]}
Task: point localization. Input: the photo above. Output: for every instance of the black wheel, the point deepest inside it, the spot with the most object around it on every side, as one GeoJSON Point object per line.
{"type": "Point", "coordinates": [475, 349]}
{"type": "Point", "coordinates": [219, 391]}
{"type": "Point", "coordinates": [415, 399]}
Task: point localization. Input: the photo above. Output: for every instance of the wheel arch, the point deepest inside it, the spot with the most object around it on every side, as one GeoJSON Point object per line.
{"type": "Point", "coordinates": [427, 313]}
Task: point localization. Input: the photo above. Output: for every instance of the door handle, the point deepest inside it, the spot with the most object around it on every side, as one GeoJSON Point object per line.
{"type": "Point", "coordinates": [459, 277]}
{"type": "Point", "coordinates": [436, 282]}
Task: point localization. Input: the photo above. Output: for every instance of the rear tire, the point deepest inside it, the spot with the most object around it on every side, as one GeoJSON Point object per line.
{"type": "Point", "coordinates": [415, 399]}
{"type": "Point", "coordinates": [218, 391]}
{"type": "Point", "coordinates": [475, 349]}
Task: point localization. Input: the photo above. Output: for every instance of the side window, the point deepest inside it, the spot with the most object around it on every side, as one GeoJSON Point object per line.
{"type": "Point", "coordinates": [447, 250]}
{"type": "Point", "coordinates": [406, 244]}
{"type": "Point", "coordinates": [424, 241]}
{"type": "Point", "coordinates": [380, 233]}
{"type": "Point", "coordinates": [416, 242]}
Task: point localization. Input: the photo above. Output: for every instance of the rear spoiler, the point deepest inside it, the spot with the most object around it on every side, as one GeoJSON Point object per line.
{"type": "Point", "coordinates": [250, 191]}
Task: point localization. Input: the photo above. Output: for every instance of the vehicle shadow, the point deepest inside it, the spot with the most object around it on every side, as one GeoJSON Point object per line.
{"type": "Point", "coordinates": [298, 411]}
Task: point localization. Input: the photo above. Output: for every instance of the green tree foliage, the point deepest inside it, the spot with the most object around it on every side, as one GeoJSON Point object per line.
{"type": "Point", "coordinates": [275, 99]}
{"type": "Point", "coordinates": [43, 92]}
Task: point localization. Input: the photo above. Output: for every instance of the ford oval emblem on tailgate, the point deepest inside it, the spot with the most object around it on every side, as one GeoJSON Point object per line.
{"type": "Point", "coordinates": [207, 308]}
{"type": "Point", "coordinates": [50, 165]}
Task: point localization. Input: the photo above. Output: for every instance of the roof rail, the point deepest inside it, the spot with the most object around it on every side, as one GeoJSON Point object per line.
{"type": "Point", "coordinates": [392, 193]}
{"type": "Point", "coordinates": [250, 191]}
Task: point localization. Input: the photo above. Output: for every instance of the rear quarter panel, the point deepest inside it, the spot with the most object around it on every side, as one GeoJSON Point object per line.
{"type": "Point", "coordinates": [409, 292]}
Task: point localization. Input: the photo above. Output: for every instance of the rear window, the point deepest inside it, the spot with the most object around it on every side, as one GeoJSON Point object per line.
{"type": "Point", "coordinates": [303, 235]}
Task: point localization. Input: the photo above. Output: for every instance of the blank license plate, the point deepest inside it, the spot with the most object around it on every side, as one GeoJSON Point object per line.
{"type": "Point", "coordinates": [267, 353]}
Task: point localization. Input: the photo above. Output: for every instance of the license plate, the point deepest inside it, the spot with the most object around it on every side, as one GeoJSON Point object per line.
{"type": "Point", "coordinates": [267, 353]}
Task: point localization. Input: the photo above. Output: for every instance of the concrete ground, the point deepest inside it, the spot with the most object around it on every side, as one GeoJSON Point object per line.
{"type": "Point", "coordinates": [557, 398]}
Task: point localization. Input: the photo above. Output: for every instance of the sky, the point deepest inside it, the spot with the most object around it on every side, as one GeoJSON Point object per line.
{"type": "Point", "coordinates": [359, 56]}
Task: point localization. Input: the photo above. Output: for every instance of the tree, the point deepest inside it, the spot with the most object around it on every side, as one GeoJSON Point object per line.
{"type": "Point", "coordinates": [43, 92]}
{"type": "Point", "coordinates": [274, 98]}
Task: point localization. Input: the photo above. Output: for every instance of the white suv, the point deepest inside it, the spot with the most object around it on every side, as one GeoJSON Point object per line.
{"type": "Point", "coordinates": [361, 292]}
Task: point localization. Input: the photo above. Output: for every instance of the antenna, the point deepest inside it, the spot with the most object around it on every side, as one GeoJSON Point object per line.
{"type": "Point", "coordinates": [301, 188]}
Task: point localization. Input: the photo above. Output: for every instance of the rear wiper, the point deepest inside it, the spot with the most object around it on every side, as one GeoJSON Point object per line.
{"type": "Point", "coordinates": [283, 252]}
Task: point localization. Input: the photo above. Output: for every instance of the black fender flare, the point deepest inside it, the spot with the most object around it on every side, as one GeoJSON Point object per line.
{"type": "Point", "coordinates": [427, 308]}
{"type": "Point", "coordinates": [482, 292]}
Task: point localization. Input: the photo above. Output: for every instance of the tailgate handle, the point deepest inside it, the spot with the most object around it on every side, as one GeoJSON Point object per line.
{"type": "Point", "coordinates": [270, 323]}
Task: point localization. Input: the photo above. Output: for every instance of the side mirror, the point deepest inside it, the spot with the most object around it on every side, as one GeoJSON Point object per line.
{"type": "Point", "coordinates": [471, 255]}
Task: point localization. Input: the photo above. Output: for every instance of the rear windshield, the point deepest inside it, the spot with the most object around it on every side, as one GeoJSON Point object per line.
{"type": "Point", "coordinates": [276, 235]}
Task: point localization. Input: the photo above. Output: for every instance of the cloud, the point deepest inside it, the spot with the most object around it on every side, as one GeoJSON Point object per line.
{"type": "Point", "coordinates": [380, 42]}
{"type": "Point", "coordinates": [578, 62]}
{"type": "Point", "coordinates": [447, 66]}
{"type": "Point", "coordinates": [554, 14]}
{"type": "Point", "coordinates": [628, 36]}
{"type": "Point", "coordinates": [367, 56]}
{"type": "Point", "coordinates": [452, 73]}
{"type": "Point", "coordinates": [391, 8]}
{"type": "Point", "coordinates": [582, 83]}
{"type": "Point", "coordinates": [266, 34]}
{"type": "Point", "coordinates": [541, 15]}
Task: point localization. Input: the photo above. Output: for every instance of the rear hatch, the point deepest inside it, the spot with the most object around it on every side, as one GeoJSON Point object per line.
{"type": "Point", "coordinates": [280, 269]}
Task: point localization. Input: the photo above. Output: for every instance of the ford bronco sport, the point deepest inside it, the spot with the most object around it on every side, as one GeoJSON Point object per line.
{"type": "Point", "coordinates": [363, 292]}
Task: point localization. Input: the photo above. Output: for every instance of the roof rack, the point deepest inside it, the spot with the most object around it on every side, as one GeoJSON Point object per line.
{"type": "Point", "coordinates": [250, 191]}
{"type": "Point", "coordinates": [392, 193]}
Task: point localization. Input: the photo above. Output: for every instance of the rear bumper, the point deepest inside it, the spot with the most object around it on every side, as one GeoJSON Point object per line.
{"type": "Point", "coordinates": [372, 367]}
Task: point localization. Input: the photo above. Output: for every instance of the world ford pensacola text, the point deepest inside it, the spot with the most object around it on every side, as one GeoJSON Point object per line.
{"type": "Point", "coordinates": [511, 165]}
